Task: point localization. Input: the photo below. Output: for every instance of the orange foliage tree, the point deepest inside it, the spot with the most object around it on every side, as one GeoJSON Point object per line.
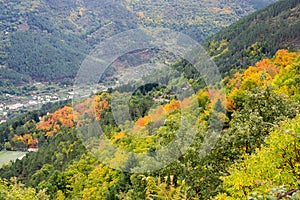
{"type": "Point", "coordinates": [26, 139]}
{"type": "Point", "coordinates": [173, 105]}
{"type": "Point", "coordinates": [284, 57]}
{"type": "Point", "coordinates": [53, 122]}
{"type": "Point", "coordinates": [143, 121]}
{"type": "Point", "coordinates": [260, 75]}
{"type": "Point", "coordinates": [101, 103]}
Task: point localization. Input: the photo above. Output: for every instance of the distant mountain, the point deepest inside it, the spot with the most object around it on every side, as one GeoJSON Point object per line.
{"type": "Point", "coordinates": [195, 18]}
{"type": "Point", "coordinates": [47, 40]}
{"type": "Point", "coordinates": [257, 36]}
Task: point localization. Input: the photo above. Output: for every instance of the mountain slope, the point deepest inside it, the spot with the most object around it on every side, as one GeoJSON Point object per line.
{"type": "Point", "coordinates": [47, 40]}
{"type": "Point", "coordinates": [198, 19]}
{"type": "Point", "coordinates": [63, 166]}
{"type": "Point", "coordinates": [257, 36]}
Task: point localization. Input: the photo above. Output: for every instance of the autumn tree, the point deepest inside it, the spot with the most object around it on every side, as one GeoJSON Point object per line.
{"type": "Point", "coordinates": [54, 121]}
{"type": "Point", "coordinates": [275, 164]}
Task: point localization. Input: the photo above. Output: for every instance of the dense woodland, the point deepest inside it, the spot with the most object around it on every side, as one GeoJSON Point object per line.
{"type": "Point", "coordinates": [255, 110]}
{"type": "Point", "coordinates": [260, 135]}
{"type": "Point", "coordinates": [257, 36]}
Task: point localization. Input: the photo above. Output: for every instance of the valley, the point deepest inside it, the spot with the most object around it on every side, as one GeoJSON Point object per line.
{"type": "Point", "coordinates": [33, 98]}
{"type": "Point", "coordinates": [31, 31]}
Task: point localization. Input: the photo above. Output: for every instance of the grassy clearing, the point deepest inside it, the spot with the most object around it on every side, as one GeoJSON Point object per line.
{"type": "Point", "coordinates": [6, 156]}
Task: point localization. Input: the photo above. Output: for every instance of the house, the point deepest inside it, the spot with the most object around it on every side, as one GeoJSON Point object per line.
{"type": "Point", "coordinates": [33, 149]}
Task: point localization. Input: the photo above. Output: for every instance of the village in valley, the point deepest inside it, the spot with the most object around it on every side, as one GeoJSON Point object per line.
{"type": "Point", "coordinates": [12, 104]}
{"type": "Point", "coordinates": [41, 94]}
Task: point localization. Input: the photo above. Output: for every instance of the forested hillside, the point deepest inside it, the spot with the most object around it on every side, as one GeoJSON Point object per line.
{"type": "Point", "coordinates": [260, 135]}
{"type": "Point", "coordinates": [48, 40]}
{"type": "Point", "coordinates": [236, 139]}
{"type": "Point", "coordinates": [257, 36]}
